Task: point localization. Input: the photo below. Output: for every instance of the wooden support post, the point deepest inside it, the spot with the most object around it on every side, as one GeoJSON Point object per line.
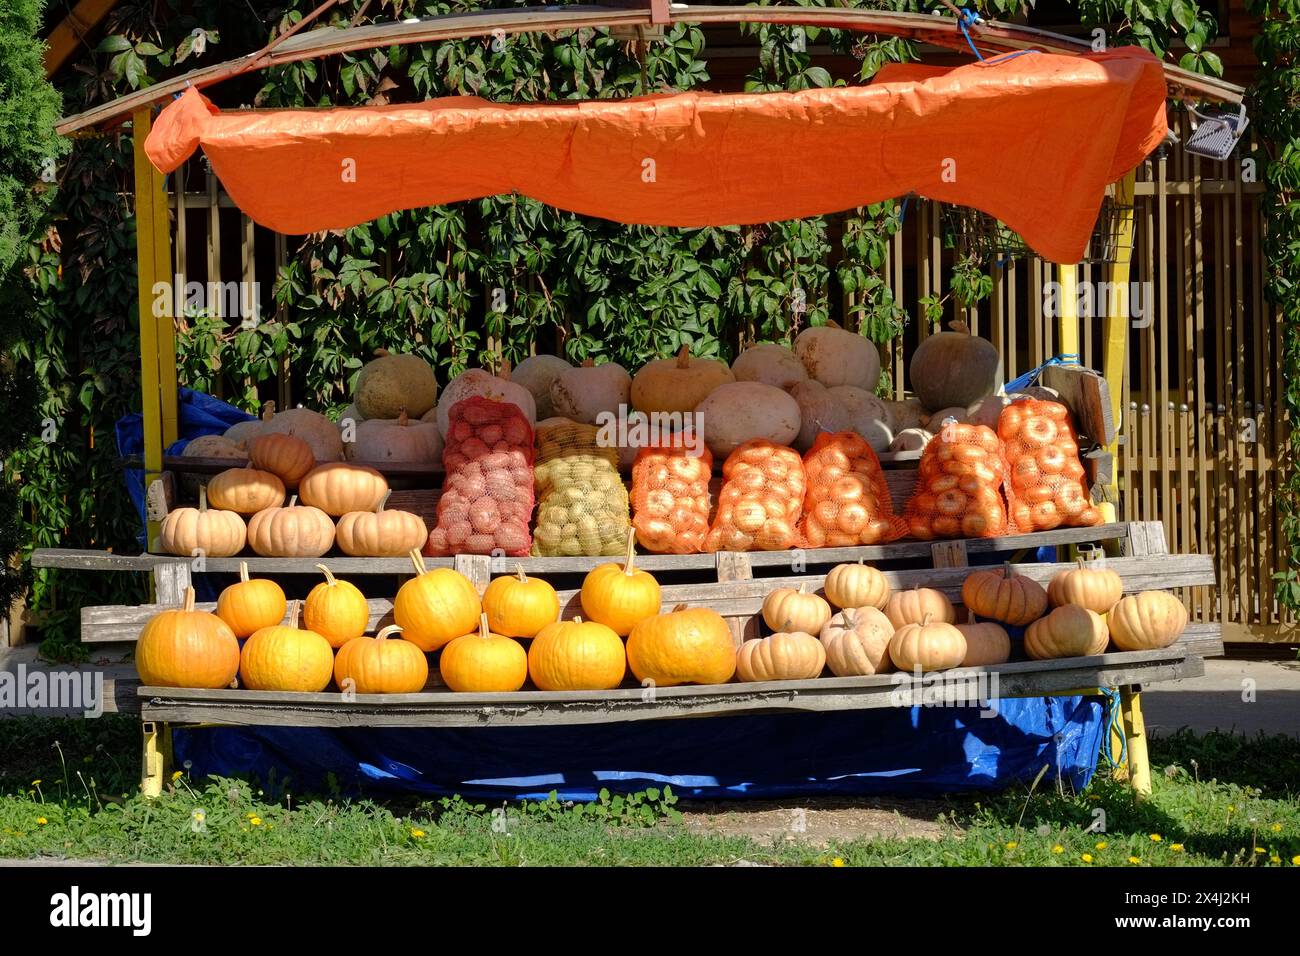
{"type": "Point", "coordinates": [157, 757]}
{"type": "Point", "coordinates": [157, 332]}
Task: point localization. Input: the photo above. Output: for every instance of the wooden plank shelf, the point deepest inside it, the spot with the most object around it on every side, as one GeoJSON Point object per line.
{"type": "Point", "coordinates": [445, 708]}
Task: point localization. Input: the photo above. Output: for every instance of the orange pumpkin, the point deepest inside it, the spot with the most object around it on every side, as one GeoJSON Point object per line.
{"type": "Point", "coordinates": [520, 606]}
{"type": "Point", "coordinates": [576, 655]}
{"type": "Point", "coordinates": [792, 655]}
{"type": "Point", "coordinates": [1147, 621]}
{"type": "Point", "coordinates": [380, 533]}
{"type": "Point", "coordinates": [912, 606]}
{"type": "Point", "coordinates": [1069, 631]}
{"type": "Point", "coordinates": [927, 646]}
{"type": "Point", "coordinates": [435, 607]}
{"type": "Point", "coordinates": [1003, 595]}
{"type": "Point", "coordinates": [337, 488]}
{"type": "Point", "coordinates": [248, 606]}
{"type": "Point", "coordinates": [286, 658]}
{"type": "Point", "coordinates": [245, 491]}
{"type": "Point", "coordinates": [620, 597]}
{"type": "Point", "coordinates": [376, 665]}
{"type": "Point", "coordinates": [287, 457]}
{"type": "Point", "coordinates": [685, 646]}
{"type": "Point", "coordinates": [336, 610]}
{"type": "Point", "coordinates": [1089, 585]}
{"type": "Point", "coordinates": [484, 662]}
{"type": "Point", "coordinates": [986, 643]}
{"type": "Point", "coordinates": [187, 648]}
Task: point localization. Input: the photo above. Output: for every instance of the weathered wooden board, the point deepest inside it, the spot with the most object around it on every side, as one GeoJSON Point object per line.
{"type": "Point", "coordinates": [443, 708]}
{"type": "Point", "coordinates": [1088, 396]}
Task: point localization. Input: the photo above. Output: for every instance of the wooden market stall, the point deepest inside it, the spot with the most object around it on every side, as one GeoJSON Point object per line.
{"type": "Point", "coordinates": [733, 583]}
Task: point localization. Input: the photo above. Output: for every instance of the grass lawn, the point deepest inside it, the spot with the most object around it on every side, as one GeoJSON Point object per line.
{"type": "Point", "coordinates": [67, 790]}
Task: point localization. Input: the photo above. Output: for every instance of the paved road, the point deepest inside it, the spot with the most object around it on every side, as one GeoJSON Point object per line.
{"type": "Point", "coordinates": [1245, 696]}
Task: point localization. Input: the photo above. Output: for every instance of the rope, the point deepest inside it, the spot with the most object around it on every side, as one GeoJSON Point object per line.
{"type": "Point", "coordinates": [1030, 377]}
{"type": "Point", "coordinates": [969, 18]}
{"type": "Point", "coordinates": [1113, 729]}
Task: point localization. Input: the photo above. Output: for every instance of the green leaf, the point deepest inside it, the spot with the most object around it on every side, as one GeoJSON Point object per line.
{"type": "Point", "coordinates": [113, 44]}
{"type": "Point", "coordinates": [1184, 13]}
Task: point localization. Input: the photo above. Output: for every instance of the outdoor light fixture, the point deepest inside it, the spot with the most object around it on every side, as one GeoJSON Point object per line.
{"type": "Point", "coordinates": [1215, 133]}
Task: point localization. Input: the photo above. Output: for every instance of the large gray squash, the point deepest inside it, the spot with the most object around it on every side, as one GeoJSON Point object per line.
{"type": "Point", "coordinates": [394, 381]}
{"type": "Point", "coordinates": [954, 368]}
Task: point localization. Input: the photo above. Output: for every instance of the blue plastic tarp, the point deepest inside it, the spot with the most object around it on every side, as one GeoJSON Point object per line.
{"type": "Point", "coordinates": [904, 751]}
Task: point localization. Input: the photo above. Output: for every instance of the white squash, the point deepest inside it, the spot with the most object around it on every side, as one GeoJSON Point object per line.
{"type": "Point", "coordinates": [770, 363]}
{"type": "Point", "coordinates": [209, 446]}
{"type": "Point", "coordinates": [243, 433]}
{"type": "Point", "coordinates": [393, 381]}
{"type": "Point", "coordinates": [987, 411]}
{"type": "Point", "coordinates": [819, 411]}
{"type": "Point", "coordinates": [867, 415]}
{"type": "Point", "coordinates": [906, 413]}
{"type": "Point", "coordinates": [476, 381]}
{"type": "Point", "coordinates": [396, 439]}
{"type": "Point", "coordinates": [536, 373]}
{"type": "Point", "coordinates": [583, 393]}
{"type": "Point", "coordinates": [910, 439]}
{"type": "Point", "coordinates": [835, 356]}
{"type": "Point", "coordinates": [741, 411]}
{"type": "Point", "coordinates": [312, 427]}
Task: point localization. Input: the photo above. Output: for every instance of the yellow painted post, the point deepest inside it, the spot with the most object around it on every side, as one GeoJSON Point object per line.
{"type": "Point", "coordinates": [156, 757]}
{"type": "Point", "coordinates": [1067, 321]}
{"type": "Point", "coordinates": [157, 334]}
{"type": "Point", "coordinates": [1117, 319]}
{"type": "Point", "coordinates": [1135, 734]}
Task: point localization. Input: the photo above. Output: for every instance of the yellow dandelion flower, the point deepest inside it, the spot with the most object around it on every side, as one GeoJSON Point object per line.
{"type": "Point", "coordinates": [1176, 847]}
{"type": "Point", "coordinates": [1276, 828]}
{"type": "Point", "coordinates": [1058, 849]}
{"type": "Point", "coordinates": [1275, 859]}
{"type": "Point", "coordinates": [1100, 845]}
{"type": "Point", "coordinates": [1156, 838]}
{"type": "Point", "coordinates": [1260, 849]}
{"type": "Point", "coordinates": [838, 861]}
{"type": "Point", "coordinates": [1135, 859]}
{"type": "Point", "coordinates": [256, 821]}
{"type": "Point", "coordinates": [177, 774]}
{"type": "Point", "coordinates": [41, 821]}
{"type": "Point", "coordinates": [417, 833]}
{"type": "Point", "coordinates": [36, 783]}
{"type": "Point", "coordinates": [1295, 860]}
{"type": "Point", "coordinates": [1012, 844]}
{"type": "Point", "coordinates": [1087, 858]}
{"type": "Point", "coordinates": [1232, 808]}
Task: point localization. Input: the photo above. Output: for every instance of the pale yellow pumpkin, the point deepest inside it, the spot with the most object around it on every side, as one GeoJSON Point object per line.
{"type": "Point", "coordinates": [393, 381]}
{"type": "Point", "coordinates": [927, 646]}
{"type": "Point", "coordinates": [210, 532]}
{"type": "Point", "coordinates": [912, 606]}
{"type": "Point", "coordinates": [1003, 595]}
{"type": "Point", "coordinates": [857, 642]}
{"type": "Point", "coordinates": [986, 643]}
{"type": "Point", "coordinates": [337, 488]}
{"type": "Point", "coordinates": [856, 585]}
{"type": "Point", "coordinates": [677, 384]}
{"type": "Point", "coordinates": [245, 491]}
{"type": "Point", "coordinates": [1147, 621]}
{"type": "Point", "coordinates": [312, 427]}
{"type": "Point", "coordinates": [790, 609]}
{"type": "Point", "coordinates": [786, 655]}
{"type": "Point", "coordinates": [1069, 631]}
{"type": "Point", "coordinates": [381, 533]}
{"type": "Point", "coordinates": [294, 531]}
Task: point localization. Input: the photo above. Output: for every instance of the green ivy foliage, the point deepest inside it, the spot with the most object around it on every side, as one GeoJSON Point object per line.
{"type": "Point", "coordinates": [426, 280]}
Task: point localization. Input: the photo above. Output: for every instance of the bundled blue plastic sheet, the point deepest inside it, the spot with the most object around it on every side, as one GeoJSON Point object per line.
{"type": "Point", "coordinates": [904, 751]}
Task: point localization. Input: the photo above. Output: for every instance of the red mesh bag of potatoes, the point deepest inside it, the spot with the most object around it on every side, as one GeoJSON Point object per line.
{"type": "Point", "coordinates": [959, 486]}
{"type": "Point", "coordinates": [1045, 478]}
{"type": "Point", "coordinates": [487, 493]}
{"type": "Point", "coordinates": [847, 502]}
{"type": "Point", "coordinates": [763, 486]}
{"type": "Point", "coordinates": [670, 497]}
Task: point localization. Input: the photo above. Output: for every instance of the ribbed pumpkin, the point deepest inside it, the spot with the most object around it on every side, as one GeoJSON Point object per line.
{"type": "Point", "coordinates": [202, 531]}
{"type": "Point", "coordinates": [785, 655]}
{"type": "Point", "coordinates": [484, 662]}
{"type": "Point", "coordinates": [187, 648]}
{"type": "Point", "coordinates": [377, 665]}
{"type": "Point", "coordinates": [337, 488]}
{"type": "Point", "coordinates": [1003, 595]}
{"type": "Point", "coordinates": [677, 384]}
{"type": "Point", "coordinates": [293, 531]}
{"type": "Point", "coordinates": [286, 658]}
{"type": "Point", "coordinates": [576, 655]}
{"type": "Point", "coordinates": [790, 609]}
{"type": "Point", "coordinates": [336, 610]}
{"type": "Point", "coordinates": [435, 606]}
{"type": "Point", "coordinates": [287, 457]}
{"type": "Point", "coordinates": [912, 606]}
{"type": "Point", "coordinates": [247, 605]}
{"type": "Point", "coordinates": [857, 642]}
{"type": "Point", "coordinates": [856, 585]}
{"type": "Point", "coordinates": [380, 534]}
{"type": "Point", "coordinates": [1069, 631]}
{"type": "Point", "coordinates": [1096, 588]}
{"type": "Point", "coordinates": [928, 646]}
{"type": "Point", "coordinates": [1147, 621]}
{"type": "Point", "coordinates": [986, 643]}
{"type": "Point", "coordinates": [245, 491]}
{"type": "Point", "coordinates": [685, 646]}
{"type": "Point", "coordinates": [519, 606]}
{"type": "Point", "coordinates": [620, 596]}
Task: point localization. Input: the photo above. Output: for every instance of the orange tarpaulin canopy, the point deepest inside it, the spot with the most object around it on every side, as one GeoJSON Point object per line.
{"type": "Point", "coordinates": [1030, 138]}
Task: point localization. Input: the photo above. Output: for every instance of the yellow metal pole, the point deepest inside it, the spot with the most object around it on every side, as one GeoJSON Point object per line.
{"type": "Point", "coordinates": [1116, 324]}
{"type": "Point", "coordinates": [1067, 320]}
{"type": "Point", "coordinates": [1135, 733]}
{"type": "Point", "coordinates": [157, 338]}
{"type": "Point", "coordinates": [156, 757]}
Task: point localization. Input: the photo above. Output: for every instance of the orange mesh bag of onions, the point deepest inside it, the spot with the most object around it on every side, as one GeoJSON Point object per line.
{"type": "Point", "coordinates": [763, 485]}
{"type": "Point", "coordinates": [959, 486]}
{"type": "Point", "coordinates": [487, 493]}
{"type": "Point", "coordinates": [670, 497]}
{"type": "Point", "coordinates": [847, 502]}
{"type": "Point", "coordinates": [1045, 478]}
{"type": "Point", "coordinates": [581, 499]}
